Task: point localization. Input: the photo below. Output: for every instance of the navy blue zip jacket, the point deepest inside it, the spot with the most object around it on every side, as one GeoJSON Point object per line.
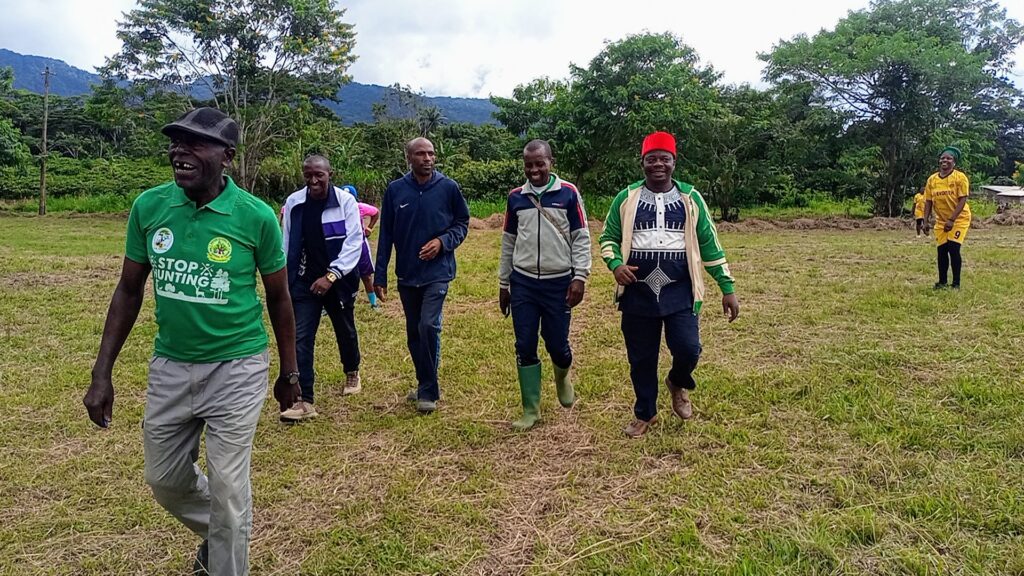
{"type": "Point", "coordinates": [412, 215]}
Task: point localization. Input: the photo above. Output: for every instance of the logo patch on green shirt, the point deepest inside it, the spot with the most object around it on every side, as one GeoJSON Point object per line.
{"type": "Point", "coordinates": [219, 250]}
{"type": "Point", "coordinates": [163, 240]}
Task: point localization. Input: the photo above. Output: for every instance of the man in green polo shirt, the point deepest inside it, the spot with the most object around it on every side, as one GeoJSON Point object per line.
{"type": "Point", "coordinates": [204, 239]}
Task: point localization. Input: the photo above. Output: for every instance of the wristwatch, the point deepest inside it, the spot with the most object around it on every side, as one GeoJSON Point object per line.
{"type": "Point", "coordinates": [331, 277]}
{"type": "Point", "coordinates": [293, 378]}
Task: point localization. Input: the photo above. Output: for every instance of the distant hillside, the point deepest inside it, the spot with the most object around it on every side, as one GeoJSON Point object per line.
{"type": "Point", "coordinates": [28, 74]}
{"type": "Point", "coordinates": [356, 103]}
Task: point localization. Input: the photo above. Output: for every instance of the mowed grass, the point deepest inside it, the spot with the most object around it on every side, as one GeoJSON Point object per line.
{"type": "Point", "coordinates": [852, 421]}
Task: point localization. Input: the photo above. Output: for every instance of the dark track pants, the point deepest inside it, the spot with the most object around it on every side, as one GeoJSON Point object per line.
{"type": "Point", "coordinates": [340, 307]}
{"type": "Point", "coordinates": [643, 344]}
{"type": "Point", "coordinates": [539, 305]}
{"type": "Point", "coordinates": [423, 306]}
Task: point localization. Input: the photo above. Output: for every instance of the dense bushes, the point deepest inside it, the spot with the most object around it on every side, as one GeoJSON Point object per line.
{"type": "Point", "coordinates": [128, 177]}
{"type": "Point", "coordinates": [280, 176]}
{"type": "Point", "coordinates": [487, 180]}
{"type": "Point", "coordinates": [71, 177]}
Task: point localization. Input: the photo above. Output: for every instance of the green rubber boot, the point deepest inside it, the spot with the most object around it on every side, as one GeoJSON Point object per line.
{"type": "Point", "coordinates": [566, 394]}
{"type": "Point", "coordinates": [529, 387]}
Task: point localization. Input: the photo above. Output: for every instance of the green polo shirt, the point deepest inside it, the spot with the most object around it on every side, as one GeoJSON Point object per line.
{"type": "Point", "coordinates": [204, 270]}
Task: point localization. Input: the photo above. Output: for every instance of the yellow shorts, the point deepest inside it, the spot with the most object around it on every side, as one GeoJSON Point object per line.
{"type": "Point", "coordinates": [958, 234]}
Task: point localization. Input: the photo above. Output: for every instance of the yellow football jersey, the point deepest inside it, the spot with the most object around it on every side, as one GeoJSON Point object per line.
{"type": "Point", "coordinates": [919, 205]}
{"type": "Point", "coordinates": [945, 193]}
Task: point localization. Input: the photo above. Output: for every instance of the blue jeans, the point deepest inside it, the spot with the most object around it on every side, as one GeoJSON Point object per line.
{"type": "Point", "coordinates": [643, 343]}
{"type": "Point", "coordinates": [423, 306]}
{"type": "Point", "coordinates": [340, 306]}
{"type": "Point", "coordinates": [540, 305]}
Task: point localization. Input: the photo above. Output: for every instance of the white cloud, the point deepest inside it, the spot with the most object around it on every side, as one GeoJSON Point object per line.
{"type": "Point", "coordinates": [477, 47]}
{"type": "Point", "coordinates": [518, 41]}
{"type": "Point", "coordinates": [77, 32]}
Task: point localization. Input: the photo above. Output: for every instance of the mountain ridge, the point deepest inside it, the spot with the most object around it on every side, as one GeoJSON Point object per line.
{"type": "Point", "coordinates": [355, 103]}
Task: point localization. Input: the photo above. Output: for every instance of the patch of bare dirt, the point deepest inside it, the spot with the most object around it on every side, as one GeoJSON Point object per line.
{"type": "Point", "coordinates": [1009, 218]}
{"type": "Point", "coordinates": [492, 222]}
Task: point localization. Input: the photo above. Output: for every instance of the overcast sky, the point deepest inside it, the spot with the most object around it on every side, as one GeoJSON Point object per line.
{"type": "Point", "coordinates": [478, 47]}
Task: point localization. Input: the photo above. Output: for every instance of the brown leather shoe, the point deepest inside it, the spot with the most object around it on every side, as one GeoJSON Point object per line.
{"type": "Point", "coordinates": [681, 404]}
{"type": "Point", "coordinates": [638, 427]}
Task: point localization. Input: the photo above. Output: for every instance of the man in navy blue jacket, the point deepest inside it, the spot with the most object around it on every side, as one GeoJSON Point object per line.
{"type": "Point", "coordinates": [425, 217]}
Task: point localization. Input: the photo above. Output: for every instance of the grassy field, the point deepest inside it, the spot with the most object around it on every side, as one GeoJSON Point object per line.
{"type": "Point", "coordinates": [597, 207]}
{"type": "Point", "coordinates": [852, 421]}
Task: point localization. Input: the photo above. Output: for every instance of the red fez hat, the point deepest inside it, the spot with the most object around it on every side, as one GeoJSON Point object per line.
{"type": "Point", "coordinates": [659, 141]}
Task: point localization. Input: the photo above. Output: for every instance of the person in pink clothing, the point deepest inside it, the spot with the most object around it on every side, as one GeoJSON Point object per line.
{"type": "Point", "coordinates": [365, 262]}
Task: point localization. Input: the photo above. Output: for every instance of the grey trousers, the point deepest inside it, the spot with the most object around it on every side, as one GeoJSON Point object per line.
{"type": "Point", "coordinates": [226, 398]}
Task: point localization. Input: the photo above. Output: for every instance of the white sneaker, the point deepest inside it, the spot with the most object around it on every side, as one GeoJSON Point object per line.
{"type": "Point", "coordinates": [298, 412]}
{"type": "Point", "coordinates": [353, 385]}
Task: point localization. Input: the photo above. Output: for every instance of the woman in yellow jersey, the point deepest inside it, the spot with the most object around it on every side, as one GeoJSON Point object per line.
{"type": "Point", "coordinates": [919, 212]}
{"type": "Point", "coordinates": [946, 194]}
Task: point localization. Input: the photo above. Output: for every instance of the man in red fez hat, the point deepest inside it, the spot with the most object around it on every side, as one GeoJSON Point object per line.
{"type": "Point", "coordinates": [657, 238]}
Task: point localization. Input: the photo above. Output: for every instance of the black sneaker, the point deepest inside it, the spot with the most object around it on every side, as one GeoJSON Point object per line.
{"type": "Point", "coordinates": [199, 567]}
{"type": "Point", "coordinates": [955, 286]}
{"type": "Point", "coordinates": [940, 286]}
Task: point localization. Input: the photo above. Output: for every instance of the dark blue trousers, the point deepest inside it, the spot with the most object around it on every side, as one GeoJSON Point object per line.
{"type": "Point", "coordinates": [540, 305]}
{"type": "Point", "coordinates": [423, 306]}
{"type": "Point", "coordinates": [340, 306]}
{"type": "Point", "coordinates": [643, 344]}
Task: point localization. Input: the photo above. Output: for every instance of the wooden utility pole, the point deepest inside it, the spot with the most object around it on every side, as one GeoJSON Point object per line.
{"type": "Point", "coordinates": [42, 158]}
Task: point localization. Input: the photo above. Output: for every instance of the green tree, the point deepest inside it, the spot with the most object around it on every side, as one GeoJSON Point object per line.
{"type": "Point", "coordinates": [739, 140]}
{"type": "Point", "coordinates": [13, 151]}
{"type": "Point", "coordinates": [907, 75]}
{"type": "Point", "coordinates": [643, 83]}
{"type": "Point", "coordinates": [258, 60]}
{"type": "Point", "coordinates": [398, 103]}
{"type": "Point", "coordinates": [430, 120]}
{"type": "Point", "coordinates": [531, 110]}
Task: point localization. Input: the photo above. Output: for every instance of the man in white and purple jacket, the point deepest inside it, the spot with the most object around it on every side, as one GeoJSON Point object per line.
{"type": "Point", "coordinates": [323, 240]}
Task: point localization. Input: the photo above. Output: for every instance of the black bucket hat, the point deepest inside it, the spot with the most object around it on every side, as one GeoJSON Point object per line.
{"type": "Point", "coordinates": [208, 123]}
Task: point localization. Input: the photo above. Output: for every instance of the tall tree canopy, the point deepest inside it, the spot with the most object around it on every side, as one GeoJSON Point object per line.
{"type": "Point", "coordinates": [909, 75]}
{"type": "Point", "coordinates": [13, 151]}
{"type": "Point", "coordinates": [254, 59]}
{"type": "Point", "coordinates": [598, 117]}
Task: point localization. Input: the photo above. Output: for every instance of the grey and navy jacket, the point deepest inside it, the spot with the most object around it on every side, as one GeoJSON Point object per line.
{"type": "Point", "coordinates": [532, 245]}
{"type": "Point", "coordinates": [413, 214]}
{"type": "Point", "coordinates": [343, 231]}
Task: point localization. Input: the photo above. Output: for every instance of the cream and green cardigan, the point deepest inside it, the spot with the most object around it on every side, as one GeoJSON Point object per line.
{"type": "Point", "coordinates": [703, 249]}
